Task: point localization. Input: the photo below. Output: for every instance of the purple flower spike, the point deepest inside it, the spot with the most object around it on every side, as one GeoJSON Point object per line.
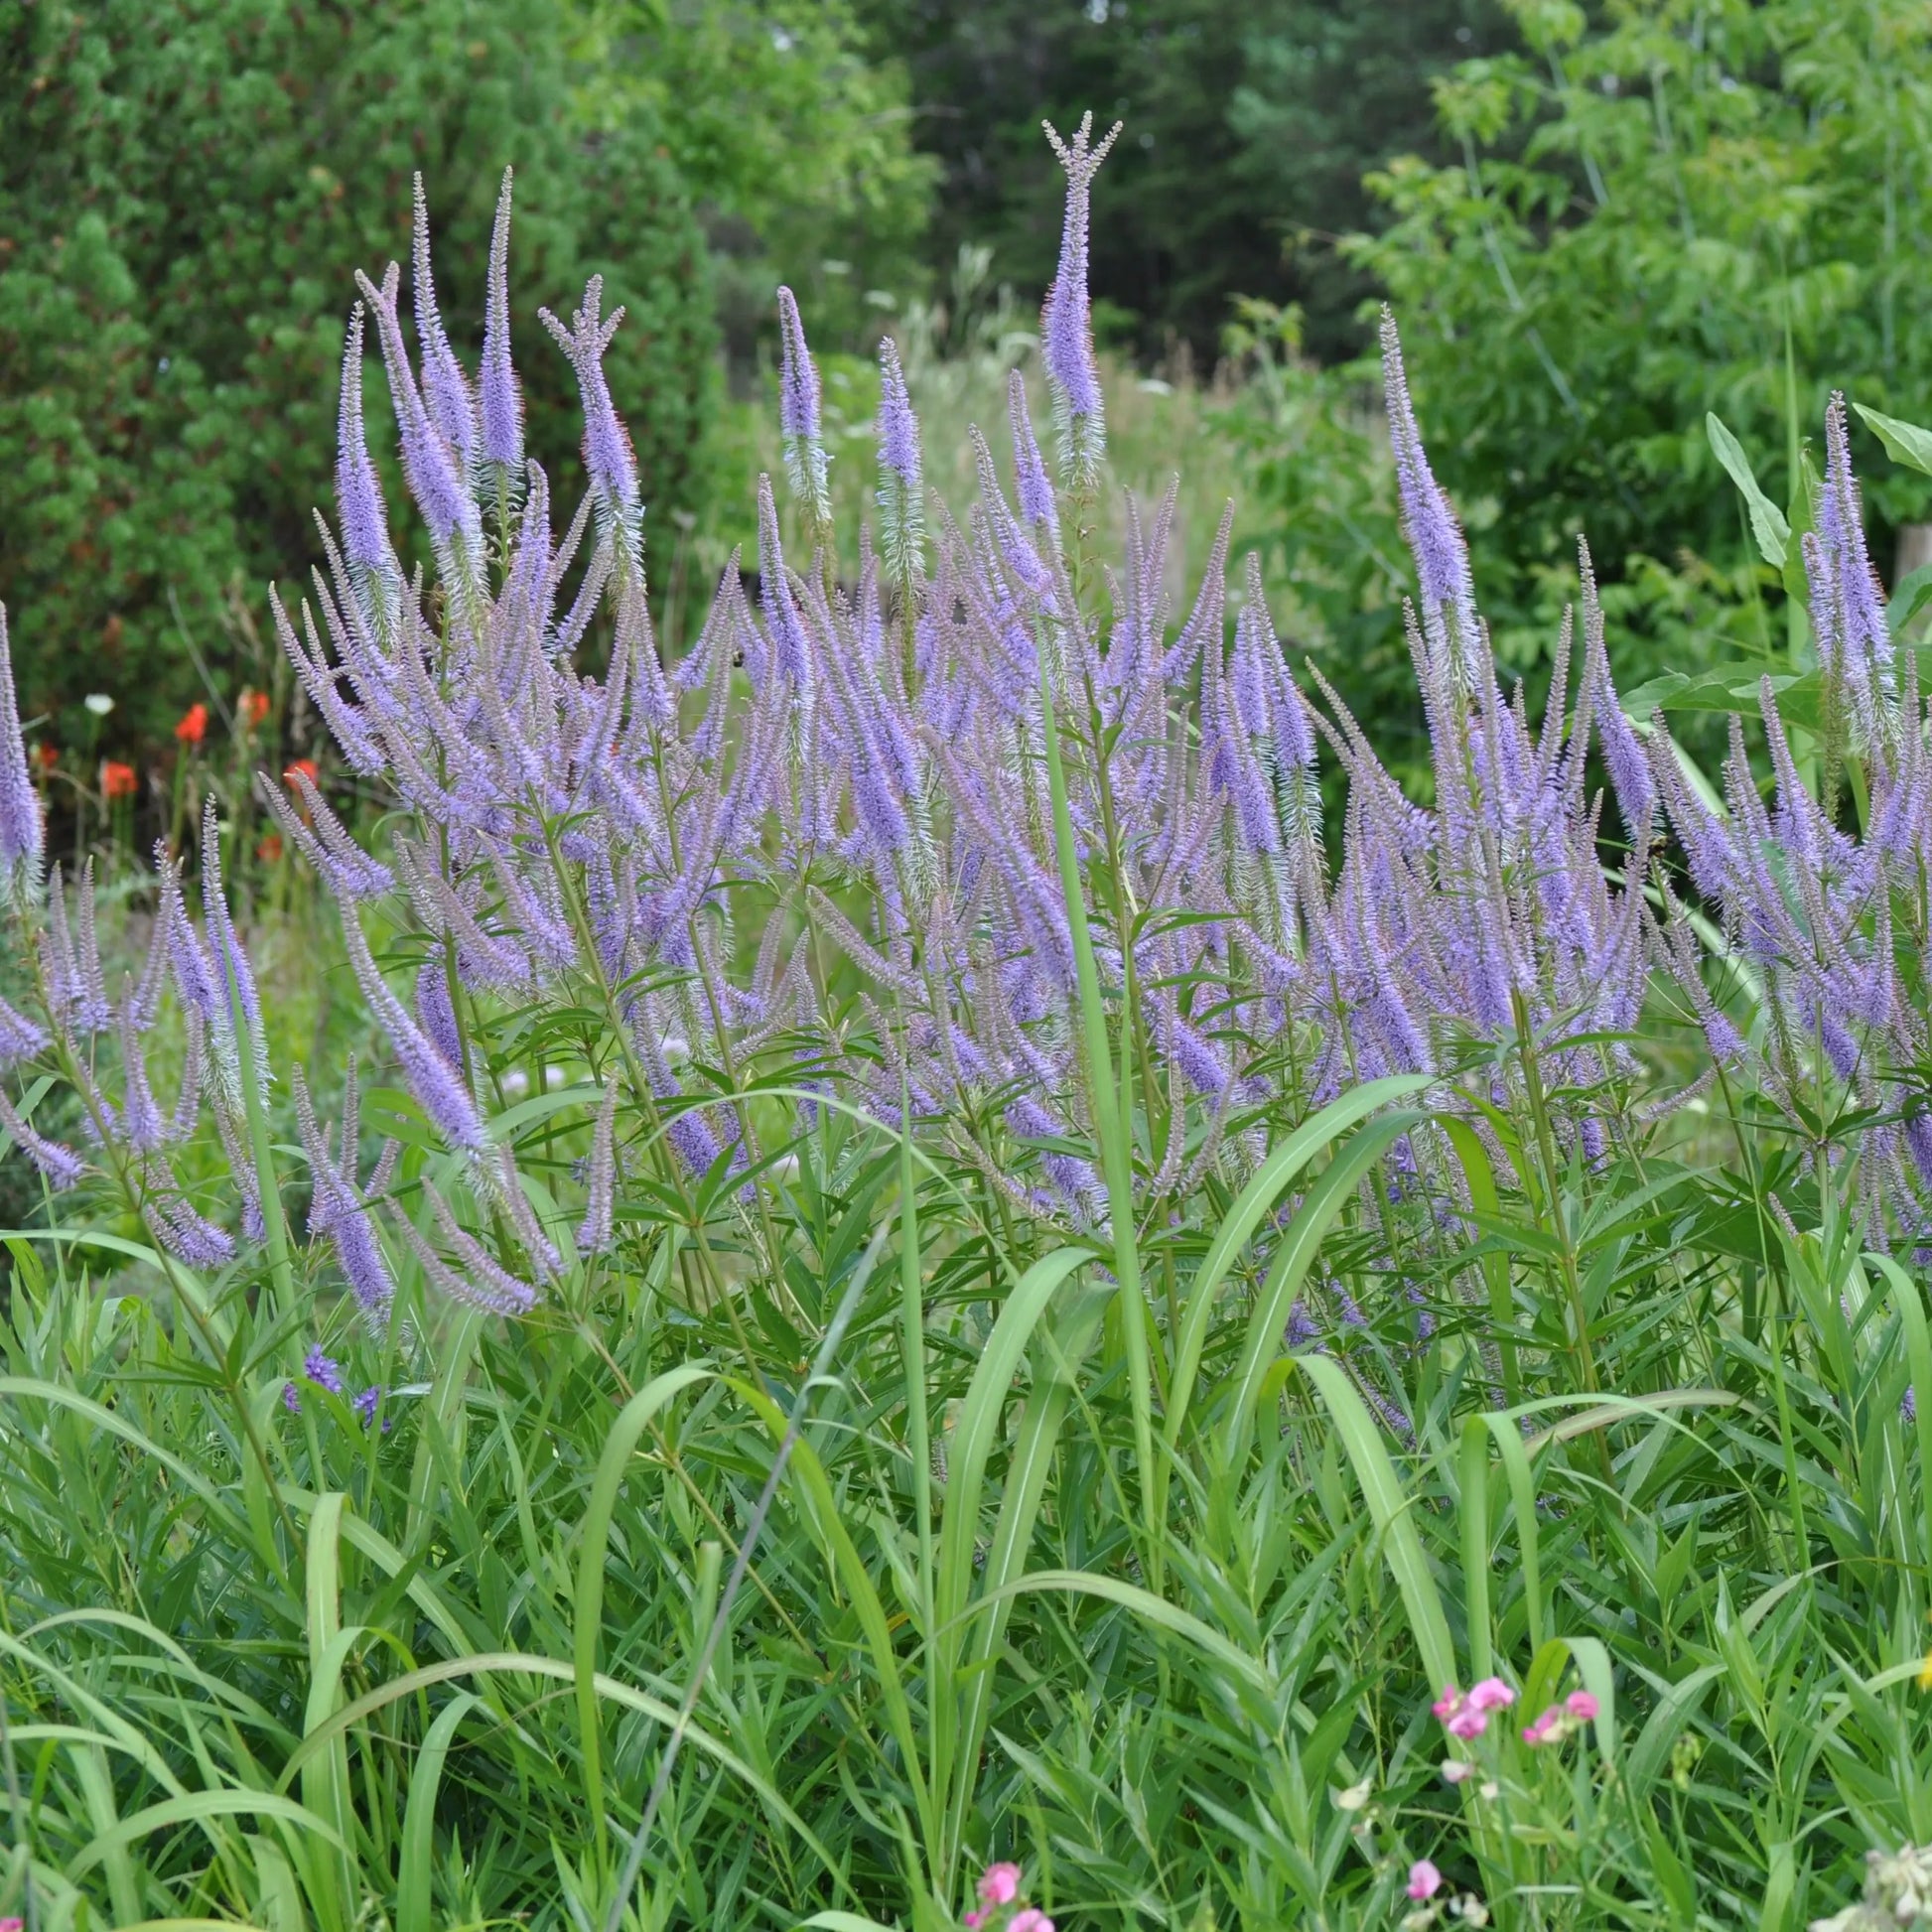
{"type": "Point", "coordinates": [446, 389]}
{"type": "Point", "coordinates": [1034, 488]}
{"type": "Point", "coordinates": [322, 1370]}
{"type": "Point", "coordinates": [503, 403]}
{"type": "Point", "coordinates": [608, 454]}
{"type": "Point", "coordinates": [435, 1013]}
{"type": "Point", "coordinates": [798, 394]}
{"type": "Point", "coordinates": [902, 494]}
{"type": "Point", "coordinates": [1858, 621]}
{"type": "Point", "coordinates": [1066, 320]}
{"type": "Point", "coordinates": [366, 1404]}
{"type": "Point", "coordinates": [433, 1080]}
{"type": "Point", "coordinates": [594, 1235]}
{"type": "Point", "coordinates": [358, 496]}
{"type": "Point", "coordinates": [20, 1038]}
{"type": "Point", "coordinates": [1435, 536]}
{"type": "Point", "coordinates": [428, 462]}
{"type": "Point", "coordinates": [20, 805]}
{"type": "Point", "coordinates": [798, 414]}
{"type": "Point", "coordinates": [291, 1398]}
{"type": "Point", "coordinates": [61, 1165]}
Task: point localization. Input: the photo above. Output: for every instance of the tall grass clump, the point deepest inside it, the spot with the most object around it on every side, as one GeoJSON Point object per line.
{"type": "Point", "coordinates": [946, 1300]}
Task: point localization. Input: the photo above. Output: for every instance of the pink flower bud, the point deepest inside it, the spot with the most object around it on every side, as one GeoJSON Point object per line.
{"type": "Point", "coordinates": [1425, 1881]}
{"type": "Point", "coordinates": [1492, 1694]}
{"type": "Point", "coordinates": [1581, 1706]}
{"type": "Point", "coordinates": [999, 1884]}
{"type": "Point", "coordinates": [1468, 1722]}
{"type": "Point", "coordinates": [1031, 1920]}
{"type": "Point", "coordinates": [1544, 1728]}
{"type": "Point", "coordinates": [973, 1921]}
{"type": "Point", "coordinates": [1448, 1705]}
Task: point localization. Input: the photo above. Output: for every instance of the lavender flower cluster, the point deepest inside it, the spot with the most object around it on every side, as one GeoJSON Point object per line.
{"type": "Point", "coordinates": [821, 845]}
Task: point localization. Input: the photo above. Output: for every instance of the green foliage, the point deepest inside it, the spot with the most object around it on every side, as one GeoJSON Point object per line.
{"type": "Point", "coordinates": [1246, 125]}
{"type": "Point", "coordinates": [283, 1667]}
{"type": "Point", "coordinates": [184, 190]}
{"type": "Point", "coordinates": [1644, 220]}
{"type": "Point", "coordinates": [796, 145]}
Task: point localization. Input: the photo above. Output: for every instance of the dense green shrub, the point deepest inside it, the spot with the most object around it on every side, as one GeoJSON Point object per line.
{"type": "Point", "coordinates": [1638, 216]}
{"type": "Point", "coordinates": [185, 189]}
{"type": "Point", "coordinates": [793, 137]}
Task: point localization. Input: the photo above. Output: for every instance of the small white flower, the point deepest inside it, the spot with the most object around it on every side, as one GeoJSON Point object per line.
{"type": "Point", "coordinates": [516, 1083]}
{"type": "Point", "coordinates": [1456, 1769]}
{"type": "Point", "coordinates": [100, 703]}
{"type": "Point", "coordinates": [1354, 1798]}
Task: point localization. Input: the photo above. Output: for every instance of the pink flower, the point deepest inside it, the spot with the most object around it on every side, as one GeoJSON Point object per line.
{"type": "Point", "coordinates": [973, 1920]}
{"type": "Point", "coordinates": [1031, 1920]}
{"type": "Point", "coordinates": [1425, 1881]}
{"type": "Point", "coordinates": [999, 1884]}
{"type": "Point", "coordinates": [1549, 1726]}
{"type": "Point", "coordinates": [1581, 1706]}
{"type": "Point", "coordinates": [1468, 1722]}
{"type": "Point", "coordinates": [1492, 1694]}
{"type": "Point", "coordinates": [1448, 1705]}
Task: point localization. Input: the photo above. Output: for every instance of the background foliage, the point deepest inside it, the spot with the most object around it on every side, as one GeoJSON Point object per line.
{"type": "Point", "coordinates": [1246, 126]}
{"type": "Point", "coordinates": [184, 191]}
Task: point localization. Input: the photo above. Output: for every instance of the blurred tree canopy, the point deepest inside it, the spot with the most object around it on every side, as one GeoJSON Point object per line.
{"type": "Point", "coordinates": [793, 137]}
{"type": "Point", "coordinates": [1249, 130]}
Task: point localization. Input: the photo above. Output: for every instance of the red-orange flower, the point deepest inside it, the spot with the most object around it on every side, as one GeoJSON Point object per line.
{"type": "Point", "coordinates": [307, 766]}
{"type": "Point", "coordinates": [254, 708]}
{"type": "Point", "coordinates": [45, 755]}
{"type": "Point", "coordinates": [117, 780]}
{"type": "Point", "coordinates": [192, 726]}
{"type": "Point", "coordinates": [269, 849]}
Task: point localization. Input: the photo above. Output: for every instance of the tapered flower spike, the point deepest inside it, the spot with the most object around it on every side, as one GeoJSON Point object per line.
{"type": "Point", "coordinates": [20, 805]}
{"type": "Point", "coordinates": [1066, 320]}
{"type": "Point", "coordinates": [608, 454]}
{"type": "Point", "coordinates": [446, 389]}
{"type": "Point", "coordinates": [901, 489]}
{"type": "Point", "coordinates": [434, 1081]}
{"type": "Point", "coordinates": [61, 1165]}
{"type": "Point", "coordinates": [21, 1038]}
{"type": "Point", "coordinates": [799, 426]}
{"type": "Point", "coordinates": [358, 496]}
{"type": "Point", "coordinates": [1435, 536]}
{"type": "Point", "coordinates": [1032, 485]}
{"type": "Point", "coordinates": [501, 400]}
{"type": "Point", "coordinates": [429, 465]}
{"type": "Point", "coordinates": [1853, 584]}
{"type": "Point", "coordinates": [593, 1234]}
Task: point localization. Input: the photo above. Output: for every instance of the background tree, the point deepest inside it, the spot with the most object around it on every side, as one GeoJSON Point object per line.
{"type": "Point", "coordinates": [186, 187]}
{"type": "Point", "coordinates": [1249, 129]}
{"type": "Point", "coordinates": [1643, 219]}
{"type": "Point", "coordinates": [793, 138]}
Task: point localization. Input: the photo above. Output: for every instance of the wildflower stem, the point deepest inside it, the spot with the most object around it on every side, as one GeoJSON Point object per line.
{"type": "Point", "coordinates": [1116, 1164]}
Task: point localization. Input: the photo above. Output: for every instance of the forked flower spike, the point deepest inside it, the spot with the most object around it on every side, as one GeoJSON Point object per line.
{"type": "Point", "coordinates": [1066, 320]}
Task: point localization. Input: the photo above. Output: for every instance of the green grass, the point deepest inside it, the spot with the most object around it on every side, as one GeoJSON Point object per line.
{"type": "Point", "coordinates": [1044, 1575]}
